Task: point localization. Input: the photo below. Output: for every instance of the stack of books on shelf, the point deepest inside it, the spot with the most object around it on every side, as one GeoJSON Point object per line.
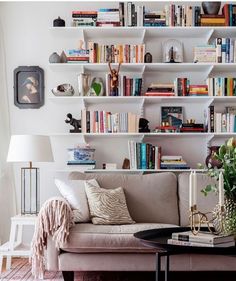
{"type": "Point", "coordinates": [84, 18]}
{"type": "Point", "coordinates": [160, 90]}
{"type": "Point", "coordinates": [181, 86]}
{"type": "Point", "coordinates": [173, 162]}
{"type": "Point", "coordinates": [205, 53]}
{"type": "Point", "coordinates": [202, 239]}
{"type": "Point", "coordinates": [212, 20]}
{"type": "Point", "coordinates": [77, 56]}
{"type": "Point", "coordinates": [127, 86]}
{"type": "Point", "coordinates": [107, 122]}
{"type": "Point", "coordinates": [182, 15]}
{"type": "Point", "coordinates": [108, 17]}
{"type": "Point", "coordinates": [221, 86]}
{"type": "Point", "coordinates": [121, 53]}
{"type": "Point", "coordinates": [222, 122]}
{"type": "Point", "coordinates": [225, 50]}
{"type": "Point", "coordinates": [229, 12]}
{"type": "Point", "coordinates": [144, 155]}
{"type": "Point", "coordinates": [155, 18]}
{"type": "Point", "coordinates": [198, 90]}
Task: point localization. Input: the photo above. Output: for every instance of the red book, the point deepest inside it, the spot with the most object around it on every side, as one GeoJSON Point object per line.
{"type": "Point", "coordinates": [84, 12]}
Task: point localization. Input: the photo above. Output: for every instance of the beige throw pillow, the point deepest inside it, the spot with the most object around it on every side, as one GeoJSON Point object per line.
{"type": "Point", "coordinates": [107, 206]}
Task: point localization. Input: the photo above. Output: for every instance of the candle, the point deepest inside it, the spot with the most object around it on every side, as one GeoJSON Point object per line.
{"type": "Point", "coordinates": [190, 190]}
{"type": "Point", "coordinates": [194, 188]}
{"type": "Point", "coordinates": [221, 189]}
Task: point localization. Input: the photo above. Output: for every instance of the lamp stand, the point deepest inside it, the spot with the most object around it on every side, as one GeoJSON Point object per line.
{"type": "Point", "coordinates": [29, 190]}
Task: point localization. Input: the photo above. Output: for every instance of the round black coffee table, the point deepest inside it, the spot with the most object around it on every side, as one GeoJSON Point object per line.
{"type": "Point", "coordinates": [157, 238]}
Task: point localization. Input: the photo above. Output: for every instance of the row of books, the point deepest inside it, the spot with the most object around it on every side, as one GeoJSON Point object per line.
{"type": "Point", "coordinates": [223, 51]}
{"type": "Point", "coordinates": [202, 239]}
{"type": "Point", "coordinates": [107, 122]}
{"type": "Point", "coordinates": [173, 162]}
{"type": "Point", "coordinates": [222, 122]}
{"type": "Point", "coordinates": [144, 155]}
{"type": "Point", "coordinates": [120, 53]}
{"type": "Point", "coordinates": [183, 87]}
{"type": "Point", "coordinates": [221, 86]}
{"type": "Point", "coordinates": [127, 86]}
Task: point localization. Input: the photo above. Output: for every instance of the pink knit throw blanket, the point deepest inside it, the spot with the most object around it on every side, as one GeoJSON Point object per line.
{"type": "Point", "coordinates": [55, 219]}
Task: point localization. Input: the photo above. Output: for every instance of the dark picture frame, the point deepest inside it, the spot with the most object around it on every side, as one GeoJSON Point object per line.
{"type": "Point", "coordinates": [29, 87]}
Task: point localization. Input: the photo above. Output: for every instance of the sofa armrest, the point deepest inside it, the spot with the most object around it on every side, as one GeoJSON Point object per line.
{"type": "Point", "coordinates": [51, 255]}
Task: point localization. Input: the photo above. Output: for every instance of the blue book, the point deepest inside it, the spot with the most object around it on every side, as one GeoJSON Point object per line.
{"type": "Point", "coordinates": [143, 156]}
{"type": "Point", "coordinates": [227, 50]}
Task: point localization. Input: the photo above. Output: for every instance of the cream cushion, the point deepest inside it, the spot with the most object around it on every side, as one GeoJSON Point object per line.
{"type": "Point", "coordinates": [74, 193]}
{"type": "Point", "coordinates": [107, 206]}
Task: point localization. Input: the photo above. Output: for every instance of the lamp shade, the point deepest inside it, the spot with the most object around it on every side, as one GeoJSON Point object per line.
{"type": "Point", "coordinates": [30, 148]}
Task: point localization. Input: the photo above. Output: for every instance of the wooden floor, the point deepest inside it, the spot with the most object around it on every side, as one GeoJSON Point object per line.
{"type": "Point", "coordinates": [175, 276]}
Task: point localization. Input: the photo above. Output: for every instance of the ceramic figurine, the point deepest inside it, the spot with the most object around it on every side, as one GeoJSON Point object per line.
{"type": "Point", "coordinates": [114, 79]}
{"type": "Point", "coordinates": [63, 57]}
{"type": "Point", "coordinates": [58, 22]}
{"type": "Point", "coordinates": [97, 88]}
{"type": "Point", "coordinates": [148, 58]}
{"type": "Point", "coordinates": [54, 58]}
{"type": "Point", "coordinates": [211, 8]}
{"type": "Point", "coordinates": [74, 123]}
{"type": "Point", "coordinates": [63, 90]}
{"type": "Point", "coordinates": [143, 125]}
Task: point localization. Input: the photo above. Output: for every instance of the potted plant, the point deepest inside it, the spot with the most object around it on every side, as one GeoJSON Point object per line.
{"type": "Point", "coordinates": [227, 156]}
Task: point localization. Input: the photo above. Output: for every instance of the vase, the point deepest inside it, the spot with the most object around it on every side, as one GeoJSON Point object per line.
{"type": "Point", "coordinates": [226, 224]}
{"type": "Point", "coordinates": [211, 160]}
{"type": "Point", "coordinates": [211, 8]}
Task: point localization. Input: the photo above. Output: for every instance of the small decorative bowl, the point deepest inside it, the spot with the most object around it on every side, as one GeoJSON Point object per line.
{"type": "Point", "coordinates": [63, 90]}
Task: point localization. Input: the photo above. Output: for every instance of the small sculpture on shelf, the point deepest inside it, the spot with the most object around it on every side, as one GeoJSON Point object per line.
{"type": "Point", "coordinates": [114, 79]}
{"type": "Point", "coordinates": [126, 164]}
{"type": "Point", "coordinates": [74, 123]}
{"type": "Point", "coordinates": [148, 58]}
{"type": "Point", "coordinates": [143, 126]}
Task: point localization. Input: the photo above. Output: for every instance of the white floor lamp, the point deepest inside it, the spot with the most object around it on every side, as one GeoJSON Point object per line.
{"type": "Point", "coordinates": [30, 148]}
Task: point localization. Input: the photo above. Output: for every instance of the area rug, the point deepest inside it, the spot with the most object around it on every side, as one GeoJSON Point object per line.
{"type": "Point", "coordinates": [21, 271]}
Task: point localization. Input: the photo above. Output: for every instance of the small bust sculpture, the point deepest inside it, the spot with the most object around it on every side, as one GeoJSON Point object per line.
{"type": "Point", "coordinates": [74, 123]}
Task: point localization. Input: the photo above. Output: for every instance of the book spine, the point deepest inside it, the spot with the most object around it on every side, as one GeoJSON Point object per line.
{"type": "Point", "coordinates": [218, 50]}
{"type": "Point", "coordinates": [143, 156]}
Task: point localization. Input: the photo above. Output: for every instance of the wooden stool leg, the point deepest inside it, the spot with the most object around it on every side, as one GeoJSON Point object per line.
{"type": "Point", "coordinates": [1, 260]}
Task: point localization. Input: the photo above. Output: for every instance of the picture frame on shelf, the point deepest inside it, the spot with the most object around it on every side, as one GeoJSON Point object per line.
{"type": "Point", "coordinates": [28, 87]}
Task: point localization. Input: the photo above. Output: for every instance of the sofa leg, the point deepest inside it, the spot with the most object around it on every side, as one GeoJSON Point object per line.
{"type": "Point", "coordinates": [68, 275]}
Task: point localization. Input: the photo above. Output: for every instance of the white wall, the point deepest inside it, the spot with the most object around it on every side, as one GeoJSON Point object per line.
{"type": "Point", "coordinates": [29, 41]}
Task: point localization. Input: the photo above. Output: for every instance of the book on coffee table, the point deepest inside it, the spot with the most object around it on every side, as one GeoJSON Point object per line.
{"type": "Point", "coordinates": [202, 237]}
{"type": "Point", "coordinates": [199, 244]}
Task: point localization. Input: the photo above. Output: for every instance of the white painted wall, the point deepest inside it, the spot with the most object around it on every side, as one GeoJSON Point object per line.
{"type": "Point", "coordinates": [29, 41]}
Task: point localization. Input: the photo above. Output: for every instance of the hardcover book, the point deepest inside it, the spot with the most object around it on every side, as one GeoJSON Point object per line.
{"type": "Point", "coordinates": [172, 115]}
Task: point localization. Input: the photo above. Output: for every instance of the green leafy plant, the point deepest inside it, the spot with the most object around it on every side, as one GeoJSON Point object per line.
{"type": "Point", "coordinates": [227, 156]}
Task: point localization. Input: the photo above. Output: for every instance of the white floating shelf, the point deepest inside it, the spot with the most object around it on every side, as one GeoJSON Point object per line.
{"type": "Point", "coordinates": [150, 32]}
{"type": "Point", "coordinates": [139, 99]}
{"type": "Point", "coordinates": [129, 171]}
{"type": "Point", "coordinates": [146, 67]}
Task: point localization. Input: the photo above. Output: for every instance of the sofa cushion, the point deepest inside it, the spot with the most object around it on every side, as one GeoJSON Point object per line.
{"type": "Point", "coordinates": [150, 198]}
{"type": "Point", "coordinates": [107, 206]}
{"type": "Point", "coordinates": [74, 193]}
{"type": "Point", "coordinates": [204, 203]}
{"type": "Point", "coordinates": [87, 237]}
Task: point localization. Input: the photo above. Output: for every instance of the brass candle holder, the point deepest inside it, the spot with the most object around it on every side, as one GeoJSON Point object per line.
{"type": "Point", "coordinates": [198, 219]}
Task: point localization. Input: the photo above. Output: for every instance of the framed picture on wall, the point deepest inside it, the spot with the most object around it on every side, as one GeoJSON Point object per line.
{"type": "Point", "coordinates": [29, 87]}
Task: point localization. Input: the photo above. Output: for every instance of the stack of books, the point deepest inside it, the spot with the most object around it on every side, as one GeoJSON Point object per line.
{"type": "Point", "coordinates": [121, 53]}
{"type": "Point", "coordinates": [225, 50]}
{"type": "Point", "coordinates": [202, 239]}
{"type": "Point", "coordinates": [212, 20]}
{"type": "Point", "coordinates": [205, 53]}
{"type": "Point", "coordinates": [155, 18]}
{"type": "Point", "coordinates": [192, 128]}
{"type": "Point", "coordinates": [107, 122]}
{"type": "Point", "coordinates": [144, 155]}
{"type": "Point", "coordinates": [84, 18]}
{"type": "Point", "coordinates": [221, 86]}
{"type": "Point", "coordinates": [160, 90]}
{"type": "Point", "coordinates": [77, 56]}
{"type": "Point", "coordinates": [229, 12]}
{"type": "Point", "coordinates": [198, 90]}
{"type": "Point", "coordinates": [173, 162]}
{"type": "Point", "coordinates": [181, 86]}
{"type": "Point", "coordinates": [108, 17]}
{"type": "Point", "coordinates": [182, 15]}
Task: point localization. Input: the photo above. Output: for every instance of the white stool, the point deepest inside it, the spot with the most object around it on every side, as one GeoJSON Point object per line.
{"type": "Point", "coordinates": [14, 247]}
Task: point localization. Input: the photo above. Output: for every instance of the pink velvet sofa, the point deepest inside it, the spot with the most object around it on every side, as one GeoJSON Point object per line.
{"type": "Point", "coordinates": [154, 201]}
